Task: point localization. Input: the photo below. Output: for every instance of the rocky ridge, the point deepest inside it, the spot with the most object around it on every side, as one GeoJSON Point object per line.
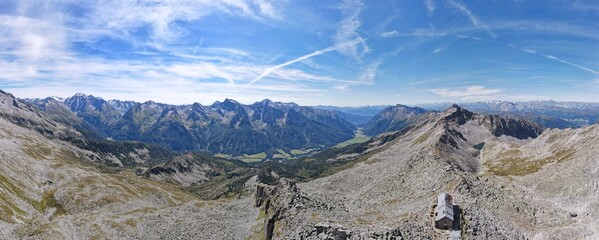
{"type": "Point", "coordinates": [392, 191]}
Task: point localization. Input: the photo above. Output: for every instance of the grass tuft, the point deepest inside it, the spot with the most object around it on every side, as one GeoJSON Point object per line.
{"type": "Point", "coordinates": [512, 164]}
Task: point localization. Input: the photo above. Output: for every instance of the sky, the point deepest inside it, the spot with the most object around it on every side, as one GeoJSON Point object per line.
{"type": "Point", "coordinates": [312, 52]}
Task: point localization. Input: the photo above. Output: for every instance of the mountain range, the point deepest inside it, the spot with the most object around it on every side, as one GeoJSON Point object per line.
{"type": "Point", "coordinates": [510, 178]}
{"type": "Point", "coordinates": [550, 114]}
{"type": "Point", "coordinates": [226, 127]}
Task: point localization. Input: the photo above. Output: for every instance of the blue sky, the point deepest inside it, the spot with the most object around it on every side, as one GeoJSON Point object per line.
{"type": "Point", "coordinates": [345, 53]}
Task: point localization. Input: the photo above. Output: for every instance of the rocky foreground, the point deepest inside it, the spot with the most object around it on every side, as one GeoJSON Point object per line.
{"type": "Point", "coordinates": [507, 187]}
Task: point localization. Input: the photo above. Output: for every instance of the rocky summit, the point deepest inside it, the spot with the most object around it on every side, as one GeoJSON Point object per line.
{"type": "Point", "coordinates": [509, 178]}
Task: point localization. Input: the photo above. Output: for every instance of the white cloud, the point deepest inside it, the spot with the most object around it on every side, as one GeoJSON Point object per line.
{"type": "Point", "coordinates": [368, 75]}
{"type": "Point", "coordinates": [31, 39]}
{"type": "Point", "coordinates": [120, 19]}
{"type": "Point", "coordinates": [473, 18]}
{"type": "Point", "coordinates": [390, 34]}
{"type": "Point", "coordinates": [585, 7]}
{"type": "Point", "coordinates": [348, 30]}
{"type": "Point", "coordinates": [343, 87]}
{"type": "Point", "coordinates": [202, 70]}
{"type": "Point", "coordinates": [467, 92]}
{"type": "Point", "coordinates": [462, 36]}
{"type": "Point", "coordinates": [426, 33]}
{"type": "Point", "coordinates": [267, 9]}
{"type": "Point", "coordinates": [430, 6]}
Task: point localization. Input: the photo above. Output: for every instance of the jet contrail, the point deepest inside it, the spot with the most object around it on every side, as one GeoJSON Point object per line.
{"type": "Point", "coordinates": [269, 70]}
{"type": "Point", "coordinates": [571, 64]}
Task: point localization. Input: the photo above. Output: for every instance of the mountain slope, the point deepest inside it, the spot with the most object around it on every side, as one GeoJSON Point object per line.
{"type": "Point", "coordinates": [95, 111]}
{"type": "Point", "coordinates": [392, 118]}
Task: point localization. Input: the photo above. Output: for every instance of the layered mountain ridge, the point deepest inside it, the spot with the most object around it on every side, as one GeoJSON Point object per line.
{"type": "Point", "coordinates": [224, 127]}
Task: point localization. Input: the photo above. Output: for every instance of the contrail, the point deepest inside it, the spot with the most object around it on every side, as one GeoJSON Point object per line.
{"type": "Point", "coordinates": [269, 70]}
{"type": "Point", "coordinates": [554, 58]}
{"type": "Point", "coordinates": [571, 64]}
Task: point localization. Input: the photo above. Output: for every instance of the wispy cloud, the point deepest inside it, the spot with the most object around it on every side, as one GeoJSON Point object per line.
{"type": "Point", "coordinates": [430, 6]}
{"type": "Point", "coordinates": [348, 30]}
{"type": "Point", "coordinates": [473, 18]}
{"type": "Point", "coordinates": [31, 39]}
{"type": "Point", "coordinates": [366, 76]}
{"type": "Point", "coordinates": [549, 27]}
{"type": "Point", "coordinates": [369, 73]}
{"type": "Point", "coordinates": [462, 36]}
{"type": "Point", "coordinates": [390, 34]}
{"type": "Point", "coordinates": [585, 7]}
{"type": "Point", "coordinates": [467, 92]}
{"type": "Point", "coordinates": [429, 32]}
{"type": "Point", "coordinates": [126, 16]}
{"type": "Point", "coordinates": [178, 83]}
{"type": "Point", "coordinates": [382, 26]}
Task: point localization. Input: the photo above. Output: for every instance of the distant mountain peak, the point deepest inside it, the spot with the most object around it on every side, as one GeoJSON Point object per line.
{"type": "Point", "coordinates": [401, 105]}
{"type": "Point", "coordinates": [266, 102]}
{"type": "Point", "coordinates": [60, 99]}
{"type": "Point", "coordinates": [455, 106]}
{"type": "Point", "coordinates": [228, 100]}
{"type": "Point", "coordinates": [457, 114]}
{"type": "Point", "coordinates": [393, 118]}
{"type": "Point", "coordinates": [195, 104]}
{"type": "Point", "coordinates": [270, 103]}
{"type": "Point", "coordinates": [84, 96]}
